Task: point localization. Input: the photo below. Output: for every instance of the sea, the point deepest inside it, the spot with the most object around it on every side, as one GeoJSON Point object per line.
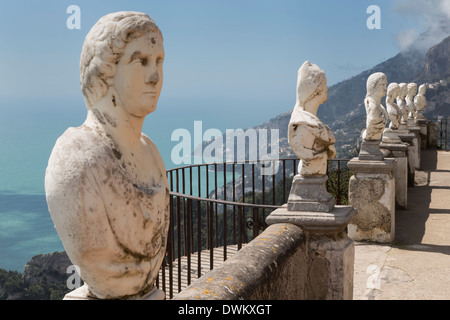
{"type": "Point", "coordinates": [29, 129]}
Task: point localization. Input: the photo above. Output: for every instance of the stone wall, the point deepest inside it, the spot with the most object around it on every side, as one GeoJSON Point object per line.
{"type": "Point", "coordinates": [271, 267]}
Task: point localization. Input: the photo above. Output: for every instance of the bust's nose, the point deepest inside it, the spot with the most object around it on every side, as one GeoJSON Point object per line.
{"type": "Point", "coordinates": [153, 79]}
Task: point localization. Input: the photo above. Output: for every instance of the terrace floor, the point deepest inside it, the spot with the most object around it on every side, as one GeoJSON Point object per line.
{"type": "Point", "coordinates": [417, 265]}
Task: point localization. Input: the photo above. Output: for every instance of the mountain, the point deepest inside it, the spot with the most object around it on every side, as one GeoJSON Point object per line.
{"type": "Point", "coordinates": [344, 111]}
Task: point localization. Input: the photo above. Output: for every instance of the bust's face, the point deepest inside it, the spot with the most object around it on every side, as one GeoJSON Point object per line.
{"type": "Point", "coordinates": [323, 95]}
{"type": "Point", "coordinates": [403, 91]}
{"type": "Point", "coordinates": [422, 89]}
{"type": "Point", "coordinates": [139, 75]}
{"type": "Point", "coordinates": [381, 87]}
{"type": "Point", "coordinates": [411, 89]}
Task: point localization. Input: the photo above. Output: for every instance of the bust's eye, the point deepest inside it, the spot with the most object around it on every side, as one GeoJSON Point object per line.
{"type": "Point", "coordinates": [144, 61]}
{"type": "Point", "coordinates": [159, 60]}
{"type": "Point", "coordinates": [140, 61]}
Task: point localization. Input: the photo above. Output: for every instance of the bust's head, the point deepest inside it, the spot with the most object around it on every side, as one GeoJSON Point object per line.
{"type": "Point", "coordinates": [121, 49]}
{"type": "Point", "coordinates": [412, 89]}
{"type": "Point", "coordinates": [393, 90]}
{"type": "Point", "coordinates": [422, 89]}
{"type": "Point", "coordinates": [376, 85]}
{"type": "Point", "coordinates": [311, 84]}
{"type": "Point", "coordinates": [403, 90]}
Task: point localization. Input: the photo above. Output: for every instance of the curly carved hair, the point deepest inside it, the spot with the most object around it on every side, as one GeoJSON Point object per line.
{"type": "Point", "coordinates": [104, 46]}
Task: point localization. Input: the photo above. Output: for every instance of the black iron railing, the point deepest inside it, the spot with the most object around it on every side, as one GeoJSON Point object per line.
{"type": "Point", "coordinates": [442, 138]}
{"type": "Point", "coordinates": [217, 208]}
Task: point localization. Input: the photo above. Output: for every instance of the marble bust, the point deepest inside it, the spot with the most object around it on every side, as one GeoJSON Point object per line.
{"type": "Point", "coordinates": [105, 183]}
{"type": "Point", "coordinates": [409, 99]}
{"type": "Point", "coordinates": [377, 115]}
{"type": "Point", "coordinates": [420, 101]}
{"type": "Point", "coordinates": [392, 108]}
{"type": "Point", "coordinates": [402, 104]}
{"type": "Point", "coordinates": [390, 134]}
{"type": "Point", "coordinates": [311, 140]}
{"type": "Point", "coordinates": [376, 118]}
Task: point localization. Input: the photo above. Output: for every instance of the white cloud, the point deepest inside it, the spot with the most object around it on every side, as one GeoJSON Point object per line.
{"type": "Point", "coordinates": [432, 15]}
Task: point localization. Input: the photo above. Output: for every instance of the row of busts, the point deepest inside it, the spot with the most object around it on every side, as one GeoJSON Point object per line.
{"type": "Point", "coordinates": [405, 104]}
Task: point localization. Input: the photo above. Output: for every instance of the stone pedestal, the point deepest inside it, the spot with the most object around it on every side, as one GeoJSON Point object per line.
{"type": "Point", "coordinates": [422, 124]}
{"type": "Point", "coordinates": [399, 151]}
{"type": "Point", "coordinates": [370, 150]}
{"type": "Point", "coordinates": [391, 136]}
{"type": "Point", "coordinates": [417, 144]}
{"type": "Point", "coordinates": [309, 193]}
{"type": "Point", "coordinates": [409, 140]}
{"type": "Point", "coordinates": [331, 252]}
{"type": "Point", "coordinates": [372, 194]}
{"type": "Point", "coordinates": [431, 135]}
{"type": "Point", "coordinates": [82, 294]}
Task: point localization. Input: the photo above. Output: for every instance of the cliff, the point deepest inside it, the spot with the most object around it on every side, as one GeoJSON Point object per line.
{"type": "Point", "coordinates": [44, 278]}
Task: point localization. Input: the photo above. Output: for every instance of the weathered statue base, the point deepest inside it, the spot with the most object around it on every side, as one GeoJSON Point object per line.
{"type": "Point", "coordinates": [391, 136]}
{"type": "Point", "coordinates": [82, 294]}
{"type": "Point", "coordinates": [313, 221]}
{"type": "Point", "coordinates": [370, 150]}
{"type": "Point", "coordinates": [399, 151]}
{"type": "Point", "coordinates": [309, 193]}
{"type": "Point", "coordinates": [372, 194]}
{"type": "Point", "coordinates": [417, 144]}
{"type": "Point", "coordinates": [422, 124]}
{"type": "Point", "coordinates": [331, 253]}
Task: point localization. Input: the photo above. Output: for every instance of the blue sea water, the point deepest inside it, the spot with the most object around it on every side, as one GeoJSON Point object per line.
{"type": "Point", "coordinates": [28, 132]}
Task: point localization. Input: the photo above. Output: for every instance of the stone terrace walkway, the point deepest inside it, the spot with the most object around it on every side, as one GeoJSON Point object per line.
{"type": "Point", "coordinates": [417, 265]}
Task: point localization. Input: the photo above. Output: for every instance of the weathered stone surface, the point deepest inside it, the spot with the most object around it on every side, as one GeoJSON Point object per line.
{"type": "Point", "coordinates": [331, 269]}
{"type": "Point", "coordinates": [431, 135]}
{"type": "Point", "coordinates": [399, 151]}
{"type": "Point", "coordinates": [372, 194]}
{"type": "Point", "coordinates": [414, 129]}
{"type": "Point", "coordinates": [105, 183]}
{"type": "Point", "coordinates": [314, 222]}
{"type": "Point", "coordinates": [408, 138]}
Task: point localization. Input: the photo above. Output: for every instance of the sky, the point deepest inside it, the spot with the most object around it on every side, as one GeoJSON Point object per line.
{"type": "Point", "coordinates": [227, 54]}
{"type": "Point", "coordinates": [245, 49]}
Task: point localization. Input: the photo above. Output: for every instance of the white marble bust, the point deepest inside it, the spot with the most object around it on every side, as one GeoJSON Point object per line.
{"type": "Point", "coordinates": [401, 102]}
{"type": "Point", "coordinates": [105, 183]}
{"type": "Point", "coordinates": [409, 99]}
{"type": "Point", "coordinates": [311, 140]}
{"type": "Point", "coordinates": [420, 101]}
{"type": "Point", "coordinates": [377, 115]}
{"type": "Point", "coordinates": [392, 108]}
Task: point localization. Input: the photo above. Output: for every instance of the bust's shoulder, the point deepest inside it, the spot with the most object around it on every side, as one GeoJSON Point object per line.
{"type": "Point", "coordinates": [81, 147]}
{"type": "Point", "coordinates": [154, 150]}
{"type": "Point", "coordinates": [75, 135]}
{"type": "Point", "coordinates": [301, 117]}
